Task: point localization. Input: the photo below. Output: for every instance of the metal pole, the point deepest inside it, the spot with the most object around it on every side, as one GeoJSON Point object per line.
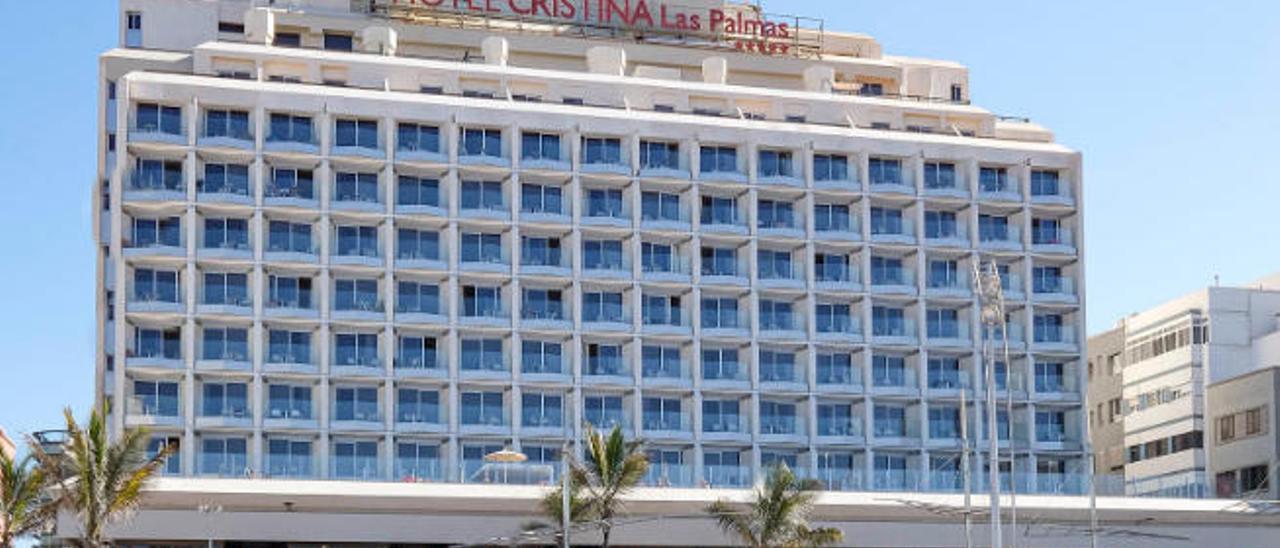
{"type": "Point", "coordinates": [965, 471]}
{"type": "Point", "coordinates": [1013, 456]}
{"type": "Point", "coordinates": [993, 445]}
{"type": "Point", "coordinates": [564, 496]}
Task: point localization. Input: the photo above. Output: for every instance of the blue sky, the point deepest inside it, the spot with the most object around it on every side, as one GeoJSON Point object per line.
{"type": "Point", "coordinates": [1172, 102]}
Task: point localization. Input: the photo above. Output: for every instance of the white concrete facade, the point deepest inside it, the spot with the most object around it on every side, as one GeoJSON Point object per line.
{"type": "Point", "coordinates": [750, 263]}
{"type": "Point", "coordinates": [450, 515]}
{"type": "Point", "coordinates": [1175, 354]}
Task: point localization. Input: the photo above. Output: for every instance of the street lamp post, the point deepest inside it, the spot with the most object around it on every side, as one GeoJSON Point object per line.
{"type": "Point", "coordinates": [991, 298]}
{"type": "Point", "coordinates": [208, 509]}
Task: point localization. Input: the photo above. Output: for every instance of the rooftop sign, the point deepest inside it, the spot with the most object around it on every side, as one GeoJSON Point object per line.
{"type": "Point", "coordinates": [740, 27]}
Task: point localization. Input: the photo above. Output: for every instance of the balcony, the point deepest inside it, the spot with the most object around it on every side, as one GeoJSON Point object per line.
{"type": "Point", "coordinates": [419, 470]}
{"type": "Point", "coordinates": [944, 433]}
{"type": "Point", "coordinates": [226, 249]}
{"type": "Point", "coordinates": [165, 130]}
{"type": "Point", "coordinates": [783, 428]}
{"type": "Point", "coordinates": [155, 185]}
{"type": "Point", "coordinates": [839, 479]}
{"type": "Point", "coordinates": [665, 322]}
{"type": "Point", "coordinates": [361, 418]}
{"type": "Point", "coordinates": [666, 269]}
{"type": "Point", "coordinates": [837, 329]}
{"type": "Point", "coordinates": [550, 424]}
{"type": "Point", "coordinates": [949, 334]}
{"type": "Point", "coordinates": [780, 274]}
{"type": "Point", "coordinates": [356, 201]}
{"type": "Point", "coordinates": [163, 301]}
{"type": "Point", "coordinates": [667, 374]}
{"type": "Point", "coordinates": [896, 480]}
{"type": "Point", "coordinates": [1063, 387]}
{"type": "Point", "coordinates": [953, 284]}
{"type": "Point", "coordinates": [229, 415]}
{"type": "Point", "coordinates": [356, 364]}
{"type": "Point", "coordinates": [360, 468]}
{"type": "Point", "coordinates": [667, 426]}
{"type": "Point", "coordinates": [726, 427]}
{"type": "Point", "coordinates": [409, 259]}
{"type": "Point", "coordinates": [283, 306]}
{"type": "Point", "coordinates": [613, 321]}
{"type": "Point", "coordinates": [152, 411]}
{"type": "Point", "coordinates": [903, 233]}
{"type": "Point", "coordinates": [1051, 437]}
{"type": "Point", "coordinates": [224, 192]}
{"type": "Point", "coordinates": [842, 229]}
{"type": "Point", "coordinates": [724, 271]}
{"type": "Point", "coordinates": [894, 381]}
{"type": "Point", "coordinates": [1056, 194]}
{"type": "Point", "coordinates": [231, 303]}
{"type": "Point", "coordinates": [889, 332]}
{"type": "Point", "coordinates": [290, 416]}
{"type": "Point", "coordinates": [286, 466]}
{"type": "Point", "coordinates": [836, 277]}
{"type": "Point", "coordinates": [612, 268]}
{"type": "Point", "coordinates": [228, 361]}
{"type": "Point", "coordinates": [419, 365]}
{"type": "Point", "coordinates": [290, 360]}
{"type": "Point", "coordinates": [363, 308]}
{"type": "Point", "coordinates": [661, 474]}
{"type": "Point", "coordinates": [367, 255]}
{"type": "Point", "coordinates": [166, 356]}
{"type": "Point", "coordinates": [727, 375]}
{"type": "Point", "coordinates": [301, 195]}
{"type": "Point", "coordinates": [223, 465]}
{"type": "Point", "coordinates": [782, 325]}
{"type": "Point", "coordinates": [944, 184]}
{"type": "Point", "coordinates": [725, 476]}
{"type": "Point", "coordinates": [483, 158]}
{"type": "Point", "coordinates": [954, 236]}
{"type": "Point", "coordinates": [993, 188]}
{"type": "Point", "coordinates": [892, 183]}
{"type": "Point", "coordinates": [891, 281]}
{"type": "Point", "coordinates": [545, 316]}
{"type": "Point", "coordinates": [1058, 241]}
{"type": "Point", "coordinates": [1054, 290]}
{"type": "Point", "coordinates": [299, 140]}
{"type": "Point", "coordinates": [226, 136]}
{"type": "Point", "coordinates": [840, 430]}
{"type": "Point", "coordinates": [484, 315]}
{"type": "Point", "coordinates": [507, 473]}
{"type": "Point", "coordinates": [1000, 238]}
{"type": "Point", "coordinates": [606, 371]}
{"type": "Point", "coordinates": [839, 379]}
{"type": "Point", "coordinates": [1055, 339]}
{"type": "Point", "coordinates": [172, 247]}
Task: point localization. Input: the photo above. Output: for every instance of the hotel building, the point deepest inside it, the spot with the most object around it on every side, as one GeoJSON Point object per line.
{"type": "Point", "coordinates": [1198, 386]}
{"type": "Point", "coordinates": [370, 240]}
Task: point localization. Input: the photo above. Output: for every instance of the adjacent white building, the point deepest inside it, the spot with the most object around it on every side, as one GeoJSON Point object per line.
{"type": "Point", "coordinates": [1199, 393]}
{"type": "Point", "coordinates": [377, 241]}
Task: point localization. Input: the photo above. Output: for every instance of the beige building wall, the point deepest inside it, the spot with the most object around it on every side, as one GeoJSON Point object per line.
{"type": "Point", "coordinates": [1105, 394]}
{"type": "Point", "coordinates": [1241, 439]}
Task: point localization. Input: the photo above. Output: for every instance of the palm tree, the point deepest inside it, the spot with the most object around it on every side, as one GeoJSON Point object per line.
{"type": "Point", "coordinates": [99, 480]}
{"type": "Point", "coordinates": [23, 509]}
{"type": "Point", "coordinates": [613, 468]}
{"type": "Point", "coordinates": [552, 503]}
{"type": "Point", "coordinates": [778, 515]}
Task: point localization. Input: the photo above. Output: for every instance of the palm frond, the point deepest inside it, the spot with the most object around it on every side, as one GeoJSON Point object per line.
{"type": "Point", "coordinates": [777, 515]}
{"type": "Point", "coordinates": [24, 509]}
{"type": "Point", "coordinates": [99, 479]}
